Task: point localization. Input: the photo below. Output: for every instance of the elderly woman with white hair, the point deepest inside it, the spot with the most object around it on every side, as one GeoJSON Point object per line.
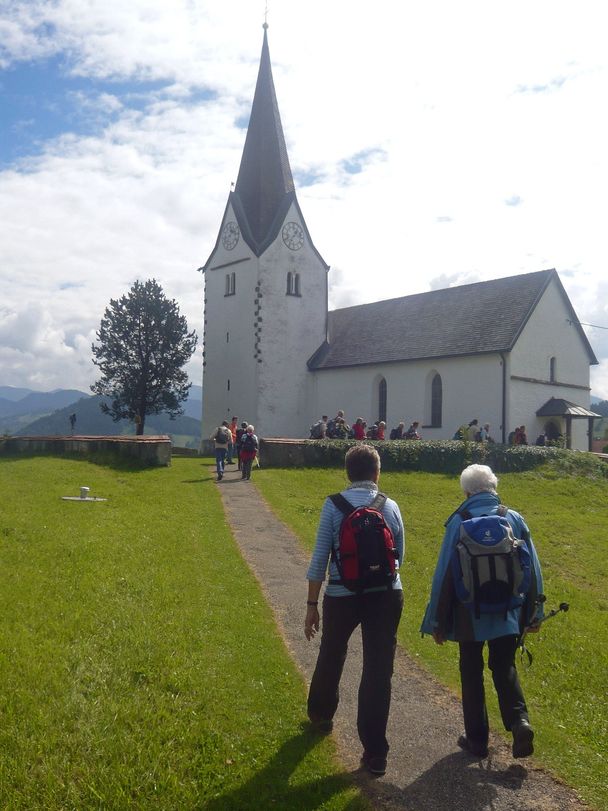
{"type": "Point", "coordinates": [448, 617]}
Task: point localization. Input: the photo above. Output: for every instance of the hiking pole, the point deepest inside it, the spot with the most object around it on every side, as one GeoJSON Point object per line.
{"type": "Point", "coordinates": [537, 622]}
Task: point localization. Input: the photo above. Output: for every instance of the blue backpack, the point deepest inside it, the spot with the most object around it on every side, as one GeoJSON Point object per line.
{"type": "Point", "coordinates": [491, 568]}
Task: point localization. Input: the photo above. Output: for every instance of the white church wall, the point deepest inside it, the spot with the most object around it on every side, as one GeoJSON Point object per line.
{"type": "Point", "coordinates": [471, 388]}
{"type": "Point", "coordinates": [548, 334]}
{"type": "Point", "coordinates": [229, 374]}
{"type": "Point", "coordinates": [291, 329]}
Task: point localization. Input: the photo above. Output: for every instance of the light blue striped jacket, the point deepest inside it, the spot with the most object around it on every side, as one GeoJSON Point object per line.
{"type": "Point", "coordinates": [359, 495]}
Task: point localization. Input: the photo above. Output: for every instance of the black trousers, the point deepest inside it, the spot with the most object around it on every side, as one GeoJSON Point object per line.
{"type": "Point", "coordinates": [501, 661]}
{"type": "Point", "coordinates": [378, 614]}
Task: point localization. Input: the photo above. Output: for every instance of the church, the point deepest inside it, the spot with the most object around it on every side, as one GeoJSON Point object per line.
{"type": "Point", "coordinates": [509, 352]}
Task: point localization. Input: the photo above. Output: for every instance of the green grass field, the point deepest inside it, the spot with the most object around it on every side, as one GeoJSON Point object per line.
{"type": "Point", "coordinates": [139, 663]}
{"type": "Point", "coordinates": [567, 685]}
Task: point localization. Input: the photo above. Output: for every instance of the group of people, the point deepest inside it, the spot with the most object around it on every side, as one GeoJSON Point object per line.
{"type": "Point", "coordinates": [377, 609]}
{"type": "Point", "coordinates": [232, 440]}
{"type": "Point", "coordinates": [338, 428]}
{"type": "Point", "coordinates": [472, 432]}
{"type": "Point", "coordinates": [518, 436]}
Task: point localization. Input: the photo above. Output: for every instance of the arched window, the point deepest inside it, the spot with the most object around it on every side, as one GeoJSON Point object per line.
{"type": "Point", "coordinates": [382, 400]}
{"type": "Point", "coordinates": [290, 283]}
{"type": "Point", "coordinates": [552, 375]}
{"type": "Point", "coordinates": [436, 401]}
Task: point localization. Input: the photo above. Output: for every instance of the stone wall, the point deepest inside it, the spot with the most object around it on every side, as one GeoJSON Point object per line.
{"type": "Point", "coordinates": [150, 450]}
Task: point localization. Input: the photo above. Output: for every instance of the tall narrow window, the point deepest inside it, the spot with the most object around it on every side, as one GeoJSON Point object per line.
{"type": "Point", "coordinates": [228, 387]}
{"type": "Point", "coordinates": [230, 284]}
{"type": "Point", "coordinates": [436, 401]}
{"type": "Point", "coordinates": [293, 284]}
{"type": "Point", "coordinates": [552, 376]}
{"type": "Point", "coordinates": [382, 399]}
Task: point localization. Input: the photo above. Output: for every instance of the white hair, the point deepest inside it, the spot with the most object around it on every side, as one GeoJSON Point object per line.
{"type": "Point", "coordinates": [250, 429]}
{"type": "Point", "coordinates": [478, 479]}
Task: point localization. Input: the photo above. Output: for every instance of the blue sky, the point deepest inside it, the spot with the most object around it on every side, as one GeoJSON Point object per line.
{"type": "Point", "coordinates": [431, 144]}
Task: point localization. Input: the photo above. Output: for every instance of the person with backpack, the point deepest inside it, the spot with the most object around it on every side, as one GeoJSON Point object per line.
{"type": "Point", "coordinates": [485, 589]}
{"type": "Point", "coordinates": [249, 450]}
{"type": "Point", "coordinates": [412, 431]}
{"type": "Point", "coordinates": [397, 433]}
{"type": "Point", "coordinates": [240, 432]}
{"type": "Point", "coordinates": [361, 538]}
{"type": "Point", "coordinates": [222, 436]}
{"type": "Point", "coordinates": [319, 429]}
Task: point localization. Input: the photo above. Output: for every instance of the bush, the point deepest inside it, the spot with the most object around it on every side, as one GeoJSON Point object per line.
{"type": "Point", "coordinates": [449, 456]}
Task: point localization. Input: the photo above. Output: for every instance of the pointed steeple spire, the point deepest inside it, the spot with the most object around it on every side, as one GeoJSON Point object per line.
{"type": "Point", "coordinates": [264, 177]}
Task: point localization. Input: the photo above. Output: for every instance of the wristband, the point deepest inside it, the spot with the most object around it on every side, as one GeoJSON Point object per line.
{"type": "Point", "coordinates": [312, 602]}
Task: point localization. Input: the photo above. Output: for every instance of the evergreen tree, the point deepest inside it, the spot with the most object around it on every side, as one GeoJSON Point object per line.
{"type": "Point", "coordinates": [143, 342]}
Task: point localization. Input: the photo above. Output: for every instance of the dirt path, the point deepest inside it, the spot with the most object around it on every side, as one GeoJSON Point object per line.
{"type": "Point", "coordinates": [426, 770]}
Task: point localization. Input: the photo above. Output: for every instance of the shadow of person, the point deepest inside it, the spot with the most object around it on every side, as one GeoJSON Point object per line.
{"type": "Point", "coordinates": [455, 783]}
{"type": "Point", "coordinates": [274, 786]}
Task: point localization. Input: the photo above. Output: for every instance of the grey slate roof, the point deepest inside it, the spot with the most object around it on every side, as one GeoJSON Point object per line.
{"type": "Point", "coordinates": [557, 407]}
{"type": "Point", "coordinates": [264, 175]}
{"type": "Point", "coordinates": [471, 319]}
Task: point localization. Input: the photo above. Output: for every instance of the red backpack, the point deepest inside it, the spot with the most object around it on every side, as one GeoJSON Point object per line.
{"type": "Point", "coordinates": [366, 555]}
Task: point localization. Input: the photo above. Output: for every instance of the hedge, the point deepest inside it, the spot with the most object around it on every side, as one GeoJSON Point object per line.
{"type": "Point", "coordinates": [452, 456]}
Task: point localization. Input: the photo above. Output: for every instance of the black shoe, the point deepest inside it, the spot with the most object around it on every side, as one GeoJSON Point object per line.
{"type": "Point", "coordinates": [375, 764]}
{"type": "Point", "coordinates": [523, 734]}
{"type": "Point", "coordinates": [322, 725]}
{"type": "Point", "coordinates": [474, 747]}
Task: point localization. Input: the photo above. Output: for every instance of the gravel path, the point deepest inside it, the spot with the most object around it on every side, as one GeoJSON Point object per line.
{"type": "Point", "coordinates": [426, 770]}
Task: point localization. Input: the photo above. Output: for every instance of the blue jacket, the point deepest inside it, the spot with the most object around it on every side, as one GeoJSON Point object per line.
{"type": "Point", "coordinates": [363, 493]}
{"type": "Point", "coordinates": [447, 614]}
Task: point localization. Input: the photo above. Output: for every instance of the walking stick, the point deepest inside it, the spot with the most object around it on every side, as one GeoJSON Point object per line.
{"type": "Point", "coordinates": [536, 622]}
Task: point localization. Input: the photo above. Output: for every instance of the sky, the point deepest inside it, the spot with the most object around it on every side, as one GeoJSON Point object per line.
{"type": "Point", "coordinates": [432, 144]}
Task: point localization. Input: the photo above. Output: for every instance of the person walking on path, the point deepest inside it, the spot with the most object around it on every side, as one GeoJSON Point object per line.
{"type": "Point", "coordinates": [222, 436]}
{"type": "Point", "coordinates": [377, 610]}
{"type": "Point", "coordinates": [240, 433]}
{"type": "Point", "coordinates": [234, 424]}
{"type": "Point", "coordinates": [249, 451]}
{"type": "Point", "coordinates": [448, 618]}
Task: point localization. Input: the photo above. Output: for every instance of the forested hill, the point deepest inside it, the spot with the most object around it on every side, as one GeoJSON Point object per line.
{"type": "Point", "coordinates": [90, 420]}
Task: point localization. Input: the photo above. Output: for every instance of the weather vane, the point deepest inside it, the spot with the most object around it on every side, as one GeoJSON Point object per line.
{"type": "Point", "coordinates": [266, 15]}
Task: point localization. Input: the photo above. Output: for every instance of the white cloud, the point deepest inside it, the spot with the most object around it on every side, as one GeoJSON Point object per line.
{"type": "Point", "coordinates": [479, 134]}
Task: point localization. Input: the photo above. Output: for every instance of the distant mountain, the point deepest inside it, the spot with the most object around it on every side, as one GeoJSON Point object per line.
{"type": "Point", "coordinates": [40, 402]}
{"type": "Point", "coordinates": [21, 412]}
{"type": "Point", "coordinates": [91, 420]}
{"type": "Point", "coordinates": [18, 409]}
{"type": "Point", "coordinates": [11, 393]}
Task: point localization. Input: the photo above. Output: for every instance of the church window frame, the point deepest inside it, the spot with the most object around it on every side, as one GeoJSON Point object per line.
{"type": "Point", "coordinates": [436, 400]}
{"type": "Point", "coordinates": [382, 399]}
{"type": "Point", "coordinates": [433, 400]}
{"type": "Point", "coordinates": [293, 284]}
{"type": "Point", "coordinates": [230, 284]}
{"type": "Point", "coordinates": [553, 369]}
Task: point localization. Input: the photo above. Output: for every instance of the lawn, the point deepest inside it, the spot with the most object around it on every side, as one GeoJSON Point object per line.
{"type": "Point", "coordinates": [567, 685]}
{"type": "Point", "coordinates": [140, 665]}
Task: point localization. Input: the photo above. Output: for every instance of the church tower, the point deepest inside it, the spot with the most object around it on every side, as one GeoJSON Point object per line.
{"type": "Point", "coordinates": [265, 288]}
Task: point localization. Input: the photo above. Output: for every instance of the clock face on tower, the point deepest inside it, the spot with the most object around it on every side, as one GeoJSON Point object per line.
{"type": "Point", "coordinates": [293, 236]}
{"type": "Point", "coordinates": [230, 235]}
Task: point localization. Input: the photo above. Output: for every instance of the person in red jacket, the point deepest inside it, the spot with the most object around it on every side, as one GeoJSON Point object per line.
{"type": "Point", "coordinates": [359, 428]}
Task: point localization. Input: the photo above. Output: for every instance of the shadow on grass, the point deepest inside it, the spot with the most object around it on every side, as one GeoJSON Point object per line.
{"type": "Point", "coordinates": [454, 783]}
{"type": "Point", "coordinates": [270, 787]}
{"type": "Point", "coordinates": [118, 463]}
